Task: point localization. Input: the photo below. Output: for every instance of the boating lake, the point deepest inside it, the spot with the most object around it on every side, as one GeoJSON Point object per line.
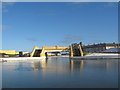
{"type": "Point", "coordinates": [60, 72]}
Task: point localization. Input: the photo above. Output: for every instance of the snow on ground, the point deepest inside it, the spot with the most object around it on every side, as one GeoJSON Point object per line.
{"type": "Point", "coordinates": [103, 54]}
{"type": "Point", "coordinates": [21, 58]}
{"type": "Point", "coordinates": [96, 56]}
{"type": "Point", "coordinates": [112, 50]}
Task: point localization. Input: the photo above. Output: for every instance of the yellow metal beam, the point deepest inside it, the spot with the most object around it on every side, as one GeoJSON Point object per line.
{"type": "Point", "coordinates": [57, 46]}
{"type": "Point", "coordinates": [56, 49]}
{"type": "Point", "coordinates": [33, 51]}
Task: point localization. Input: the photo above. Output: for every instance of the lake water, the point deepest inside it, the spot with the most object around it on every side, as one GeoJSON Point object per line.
{"type": "Point", "coordinates": [60, 72]}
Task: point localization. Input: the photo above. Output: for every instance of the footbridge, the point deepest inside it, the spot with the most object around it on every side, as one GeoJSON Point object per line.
{"type": "Point", "coordinates": [74, 50]}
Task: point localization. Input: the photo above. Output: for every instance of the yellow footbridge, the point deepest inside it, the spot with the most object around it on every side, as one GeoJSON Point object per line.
{"type": "Point", "coordinates": [74, 50]}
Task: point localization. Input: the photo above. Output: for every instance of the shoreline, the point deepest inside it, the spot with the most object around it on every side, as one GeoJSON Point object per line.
{"type": "Point", "coordinates": [95, 57]}
{"type": "Point", "coordinates": [21, 58]}
{"type": "Point", "coordinates": [87, 57]}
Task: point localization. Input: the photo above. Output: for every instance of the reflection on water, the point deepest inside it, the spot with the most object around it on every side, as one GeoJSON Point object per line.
{"type": "Point", "coordinates": [76, 65]}
{"type": "Point", "coordinates": [60, 72]}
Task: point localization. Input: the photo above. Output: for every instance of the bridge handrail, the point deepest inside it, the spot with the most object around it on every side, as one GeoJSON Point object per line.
{"type": "Point", "coordinates": [56, 46]}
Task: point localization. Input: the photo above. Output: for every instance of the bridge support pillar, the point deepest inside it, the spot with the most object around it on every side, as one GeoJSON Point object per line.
{"type": "Point", "coordinates": [71, 51]}
{"type": "Point", "coordinates": [76, 50]}
{"type": "Point", "coordinates": [42, 54]}
{"type": "Point", "coordinates": [35, 47]}
{"type": "Point", "coordinates": [81, 51]}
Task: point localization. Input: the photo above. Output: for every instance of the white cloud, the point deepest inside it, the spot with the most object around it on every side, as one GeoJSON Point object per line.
{"type": "Point", "coordinates": [32, 39]}
{"type": "Point", "coordinates": [2, 27]}
{"type": "Point", "coordinates": [71, 39]}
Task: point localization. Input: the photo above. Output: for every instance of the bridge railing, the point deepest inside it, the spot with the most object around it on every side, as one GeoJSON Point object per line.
{"type": "Point", "coordinates": [56, 47]}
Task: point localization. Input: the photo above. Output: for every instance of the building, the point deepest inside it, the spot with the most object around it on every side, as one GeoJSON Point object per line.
{"type": "Point", "coordinates": [99, 47]}
{"type": "Point", "coordinates": [8, 51]}
{"type": "Point", "coordinates": [11, 52]}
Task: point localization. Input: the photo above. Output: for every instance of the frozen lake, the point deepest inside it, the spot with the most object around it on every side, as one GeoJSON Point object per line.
{"type": "Point", "coordinates": [60, 72]}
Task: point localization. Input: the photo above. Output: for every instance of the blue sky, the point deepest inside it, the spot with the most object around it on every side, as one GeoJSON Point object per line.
{"type": "Point", "coordinates": [28, 24]}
